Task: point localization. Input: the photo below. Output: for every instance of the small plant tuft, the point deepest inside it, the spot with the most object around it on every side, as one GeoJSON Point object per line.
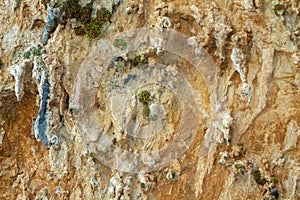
{"type": "Point", "coordinates": [259, 178]}
{"type": "Point", "coordinates": [27, 54]}
{"type": "Point", "coordinates": [145, 61]}
{"type": "Point", "coordinates": [279, 9]}
{"type": "Point", "coordinates": [36, 52]}
{"type": "Point", "coordinates": [239, 168]}
{"type": "Point", "coordinates": [91, 155]}
{"type": "Point", "coordinates": [120, 43]}
{"type": "Point", "coordinates": [104, 15]}
{"type": "Point", "coordinates": [274, 180]}
{"type": "Point", "coordinates": [137, 61]}
{"type": "Point", "coordinates": [144, 185]}
{"type": "Point", "coordinates": [145, 98]}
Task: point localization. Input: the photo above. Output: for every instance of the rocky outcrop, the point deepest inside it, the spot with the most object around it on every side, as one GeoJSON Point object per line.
{"type": "Point", "coordinates": [149, 99]}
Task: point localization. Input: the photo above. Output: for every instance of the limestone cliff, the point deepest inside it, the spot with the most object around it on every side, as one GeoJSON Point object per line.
{"type": "Point", "coordinates": [139, 99]}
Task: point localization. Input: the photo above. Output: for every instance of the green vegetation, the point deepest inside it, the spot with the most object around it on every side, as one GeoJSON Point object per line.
{"type": "Point", "coordinates": [79, 30]}
{"type": "Point", "coordinates": [145, 61]}
{"type": "Point", "coordinates": [93, 30]}
{"type": "Point", "coordinates": [85, 14]}
{"type": "Point", "coordinates": [145, 97]}
{"type": "Point", "coordinates": [104, 15]}
{"type": "Point", "coordinates": [120, 43]}
{"type": "Point", "coordinates": [278, 9]}
{"type": "Point", "coordinates": [274, 180]}
{"type": "Point", "coordinates": [35, 52]}
{"type": "Point", "coordinates": [258, 177]}
{"type": "Point", "coordinates": [137, 61]}
{"type": "Point", "coordinates": [89, 26]}
{"type": "Point", "coordinates": [91, 155]}
{"type": "Point", "coordinates": [72, 9]}
{"type": "Point", "coordinates": [27, 54]}
{"type": "Point", "coordinates": [144, 185]}
{"type": "Point", "coordinates": [239, 168]}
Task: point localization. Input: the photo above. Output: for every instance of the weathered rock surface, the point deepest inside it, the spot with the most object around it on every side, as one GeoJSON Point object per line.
{"type": "Point", "coordinates": [225, 90]}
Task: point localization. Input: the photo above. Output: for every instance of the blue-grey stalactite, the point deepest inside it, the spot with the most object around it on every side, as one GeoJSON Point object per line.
{"type": "Point", "coordinates": [41, 123]}
{"type": "Point", "coordinates": [53, 18]}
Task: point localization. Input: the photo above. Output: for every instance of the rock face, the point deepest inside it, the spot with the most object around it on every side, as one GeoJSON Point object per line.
{"type": "Point", "coordinates": [160, 100]}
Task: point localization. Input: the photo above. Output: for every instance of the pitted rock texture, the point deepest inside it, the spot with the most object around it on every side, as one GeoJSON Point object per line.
{"type": "Point", "coordinates": [247, 143]}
